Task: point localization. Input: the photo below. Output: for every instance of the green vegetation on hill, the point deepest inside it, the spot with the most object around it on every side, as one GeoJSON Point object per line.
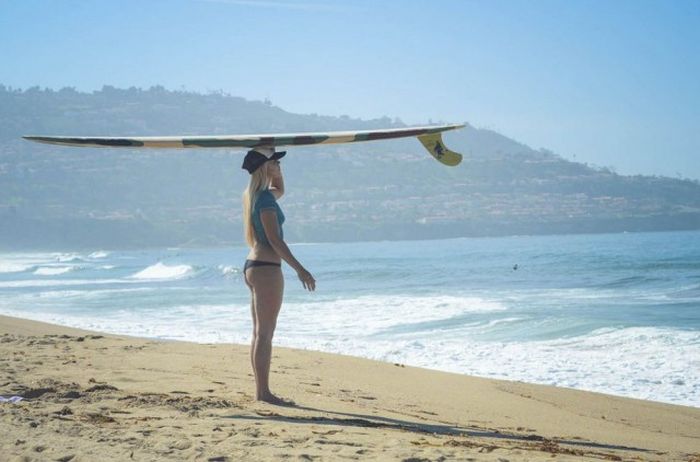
{"type": "Point", "coordinates": [57, 197]}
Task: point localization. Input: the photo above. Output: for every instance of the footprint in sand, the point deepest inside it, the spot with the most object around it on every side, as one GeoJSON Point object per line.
{"type": "Point", "coordinates": [64, 411]}
{"type": "Point", "coordinates": [101, 387]}
{"type": "Point", "coordinates": [180, 444]}
{"type": "Point", "coordinates": [329, 432]}
{"type": "Point", "coordinates": [307, 457]}
{"type": "Point", "coordinates": [97, 418]}
{"type": "Point", "coordinates": [37, 392]}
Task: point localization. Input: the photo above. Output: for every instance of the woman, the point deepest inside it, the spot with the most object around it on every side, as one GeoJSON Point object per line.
{"type": "Point", "coordinates": [262, 222]}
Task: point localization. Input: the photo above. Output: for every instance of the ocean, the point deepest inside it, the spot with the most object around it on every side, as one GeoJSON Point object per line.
{"type": "Point", "coordinates": [612, 313]}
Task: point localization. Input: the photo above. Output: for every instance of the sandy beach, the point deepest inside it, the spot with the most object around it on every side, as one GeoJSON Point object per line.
{"type": "Point", "coordinates": [93, 396]}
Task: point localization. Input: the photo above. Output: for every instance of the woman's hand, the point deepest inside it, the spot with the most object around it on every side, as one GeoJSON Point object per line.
{"type": "Point", "coordinates": [307, 280]}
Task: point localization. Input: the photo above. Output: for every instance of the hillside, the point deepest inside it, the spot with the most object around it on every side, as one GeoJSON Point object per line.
{"type": "Point", "coordinates": [53, 197]}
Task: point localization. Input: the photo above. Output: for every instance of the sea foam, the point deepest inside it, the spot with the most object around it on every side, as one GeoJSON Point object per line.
{"type": "Point", "coordinates": [9, 267]}
{"type": "Point", "coordinates": [67, 257]}
{"type": "Point", "coordinates": [644, 363]}
{"type": "Point", "coordinates": [228, 270]}
{"type": "Point", "coordinates": [53, 270]}
{"type": "Point", "coordinates": [161, 271]}
{"type": "Point", "coordinates": [384, 314]}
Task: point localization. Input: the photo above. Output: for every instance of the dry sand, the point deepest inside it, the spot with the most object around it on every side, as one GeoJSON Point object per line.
{"type": "Point", "coordinates": [98, 397]}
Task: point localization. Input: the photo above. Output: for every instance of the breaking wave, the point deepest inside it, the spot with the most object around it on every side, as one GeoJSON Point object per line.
{"type": "Point", "coordinates": [161, 271]}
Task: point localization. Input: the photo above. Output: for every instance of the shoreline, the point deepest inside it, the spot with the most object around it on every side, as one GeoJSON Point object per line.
{"type": "Point", "coordinates": [154, 399]}
{"type": "Point", "coordinates": [87, 331]}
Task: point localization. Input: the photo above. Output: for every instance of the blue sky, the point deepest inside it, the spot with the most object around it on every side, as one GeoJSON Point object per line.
{"type": "Point", "coordinates": [612, 83]}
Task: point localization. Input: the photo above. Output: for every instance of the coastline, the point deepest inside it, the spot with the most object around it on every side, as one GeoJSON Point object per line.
{"type": "Point", "coordinates": [120, 398]}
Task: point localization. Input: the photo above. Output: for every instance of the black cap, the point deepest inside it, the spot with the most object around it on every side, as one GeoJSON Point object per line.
{"type": "Point", "coordinates": [258, 156]}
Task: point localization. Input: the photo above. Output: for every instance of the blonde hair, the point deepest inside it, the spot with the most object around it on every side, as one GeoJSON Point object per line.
{"type": "Point", "coordinates": [259, 181]}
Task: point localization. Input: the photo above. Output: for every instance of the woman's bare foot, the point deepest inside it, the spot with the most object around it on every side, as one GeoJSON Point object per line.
{"type": "Point", "coordinates": [275, 400]}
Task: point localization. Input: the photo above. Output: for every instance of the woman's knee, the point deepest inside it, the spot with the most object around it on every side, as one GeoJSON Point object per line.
{"type": "Point", "coordinates": [264, 333]}
{"type": "Point", "coordinates": [264, 338]}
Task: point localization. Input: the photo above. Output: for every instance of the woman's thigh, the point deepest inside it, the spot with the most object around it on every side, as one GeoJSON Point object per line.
{"type": "Point", "coordinates": [268, 289]}
{"type": "Point", "coordinates": [252, 297]}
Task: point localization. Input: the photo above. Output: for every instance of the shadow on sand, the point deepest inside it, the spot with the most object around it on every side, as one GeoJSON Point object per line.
{"type": "Point", "coordinates": [373, 421]}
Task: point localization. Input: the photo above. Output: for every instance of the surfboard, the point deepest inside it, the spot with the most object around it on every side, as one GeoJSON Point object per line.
{"type": "Point", "coordinates": [429, 136]}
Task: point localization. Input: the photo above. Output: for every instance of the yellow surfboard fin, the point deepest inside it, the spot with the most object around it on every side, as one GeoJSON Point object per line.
{"type": "Point", "coordinates": [433, 143]}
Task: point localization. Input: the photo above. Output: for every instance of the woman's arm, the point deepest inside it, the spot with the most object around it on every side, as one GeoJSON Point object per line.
{"type": "Point", "coordinates": [277, 185]}
{"type": "Point", "coordinates": [268, 217]}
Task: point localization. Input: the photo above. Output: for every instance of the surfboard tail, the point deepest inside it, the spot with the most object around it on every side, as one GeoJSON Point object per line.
{"type": "Point", "coordinates": [433, 143]}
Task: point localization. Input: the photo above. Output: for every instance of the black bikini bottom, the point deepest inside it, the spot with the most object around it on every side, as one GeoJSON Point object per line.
{"type": "Point", "coordinates": [252, 263]}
